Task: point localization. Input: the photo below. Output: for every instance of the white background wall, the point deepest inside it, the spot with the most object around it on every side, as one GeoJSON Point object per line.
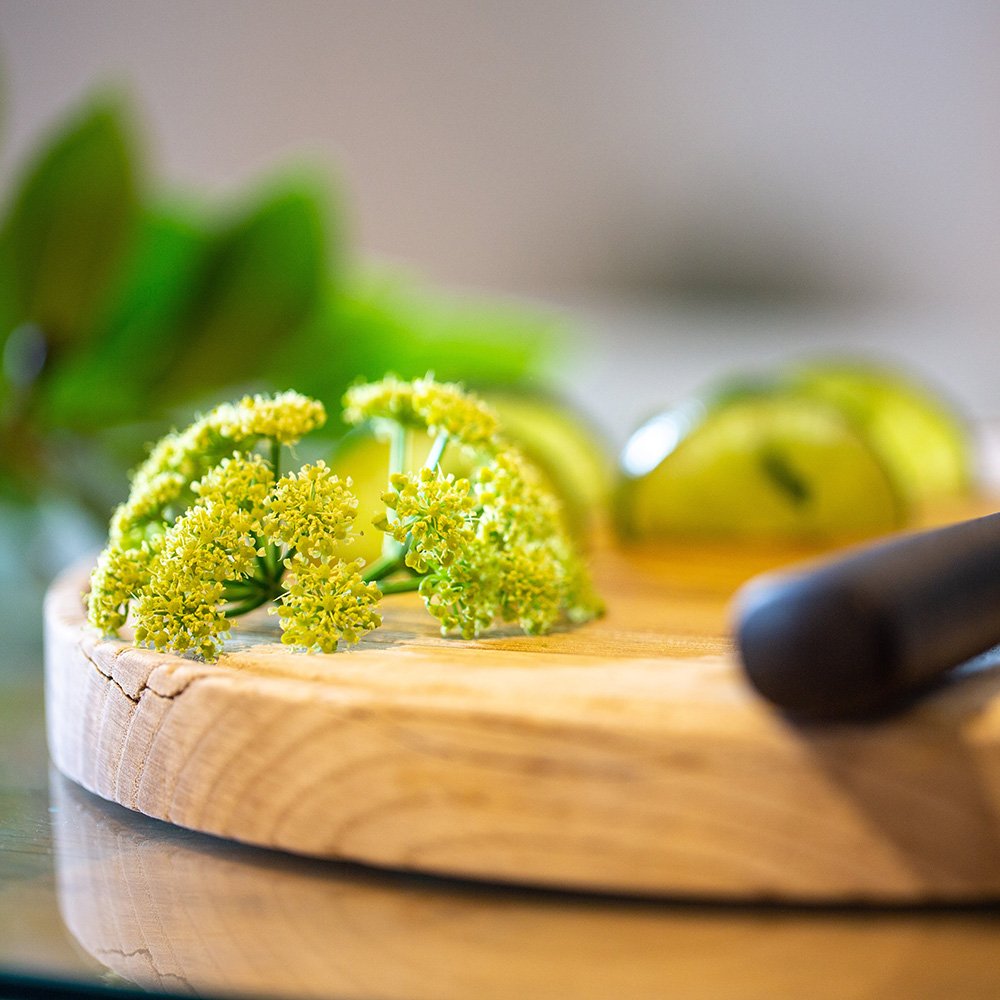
{"type": "Point", "coordinates": [834, 155]}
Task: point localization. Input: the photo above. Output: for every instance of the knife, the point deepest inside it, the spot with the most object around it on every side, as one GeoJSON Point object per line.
{"type": "Point", "coordinates": [860, 635]}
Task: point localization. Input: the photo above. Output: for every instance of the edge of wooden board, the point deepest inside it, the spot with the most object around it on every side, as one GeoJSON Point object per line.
{"type": "Point", "coordinates": [639, 774]}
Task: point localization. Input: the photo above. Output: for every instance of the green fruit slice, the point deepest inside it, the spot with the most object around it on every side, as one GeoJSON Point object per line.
{"type": "Point", "coordinates": [570, 453]}
{"type": "Point", "coordinates": [921, 440]}
{"type": "Point", "coordinates": [754, 464]}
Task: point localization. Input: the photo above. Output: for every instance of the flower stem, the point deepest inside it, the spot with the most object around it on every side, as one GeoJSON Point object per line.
{"type": "Point", "coordinates": [397, 449]}
{"type": "Point", "coordinates": [399, 586]}
{"type": "Point", "coordinates": [272, 553]}
{"type": "Point", "coordinates": [437, 450]}
{"type": "Point", "coordinates": [385, 565]}
{"type": "Point", "coordinates": [397, 463]}
{"type": "Point", "coordinates": [235, 610]}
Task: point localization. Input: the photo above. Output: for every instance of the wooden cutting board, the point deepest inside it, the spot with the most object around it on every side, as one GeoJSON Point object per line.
{"type": "Point", "coordinates": [626, 756]}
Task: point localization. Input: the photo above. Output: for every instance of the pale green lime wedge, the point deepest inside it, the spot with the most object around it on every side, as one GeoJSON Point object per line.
{"type": "Point", "coordinates": [924, 444]}
{"type": "Point", "coordinates": [570, 456]}
{"type": "Point", "coordinates": [754, 462]}
{"type": "Point", "coordinates": [563, 444]}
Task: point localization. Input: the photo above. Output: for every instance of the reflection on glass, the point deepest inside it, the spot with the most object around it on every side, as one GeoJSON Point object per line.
{"type": "Point", "coordinates": [175, 910]}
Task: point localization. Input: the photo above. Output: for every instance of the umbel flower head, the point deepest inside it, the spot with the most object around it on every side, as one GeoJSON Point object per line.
{"type": "Point", "coordinates": [212, 529]}
{"type": "Point", "coordinates": [437, 407]}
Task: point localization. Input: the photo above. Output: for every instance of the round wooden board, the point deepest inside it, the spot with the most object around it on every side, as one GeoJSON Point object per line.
{"type": "Point", "coordinates": [626, 756]}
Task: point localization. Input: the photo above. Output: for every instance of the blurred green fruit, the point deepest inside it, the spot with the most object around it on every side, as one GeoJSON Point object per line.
{"type": "Point", "coordinates": [754, 463]}
{"type": "Point", "coordinates": [922, 441]}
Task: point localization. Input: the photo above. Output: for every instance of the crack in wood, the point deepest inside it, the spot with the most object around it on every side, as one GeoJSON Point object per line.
{"type": "Point", "coordinates": [104, 953]}
{"type": "Point", "coordinates": [132, 698]}
{"type": "Point", "coordinates": [144, 687]}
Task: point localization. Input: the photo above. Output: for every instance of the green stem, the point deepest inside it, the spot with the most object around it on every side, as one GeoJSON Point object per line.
{"type": "Point", "coordinates": [237, 590]}
{"type": "Point", "coordinates": [399, 586]}
{"type": "Point", "coordinates": [273, 562]}
{"type": "Point", "coordinates": [245, 595]}
{"type": "Point", "coordinates": [254, 602]}
{"type": "Point", "coordinates": [397, 463]}
{"type": "Point", "coordinates": [385, 565]}
{"type": "Point", "coordinates": [397, 449]}
{"type": "Point", "coordinates": [437, 450]}
{"type": "Point", "coordinates": [272, 554]}
{"type": "Point", "coordinates": [264, 565]}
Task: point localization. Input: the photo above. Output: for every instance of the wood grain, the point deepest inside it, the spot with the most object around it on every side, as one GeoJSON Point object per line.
{"type": "Point", "coordinates": [625, 756]}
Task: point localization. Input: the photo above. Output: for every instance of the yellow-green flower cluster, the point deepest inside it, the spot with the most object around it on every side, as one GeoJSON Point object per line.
{"type": "Point", "coordinates": [327, 602]}
{"type": "Point", "coordinates": [311, 511]}
{"type": "Point", "coordinates": [435, 520]}
{"type": "Point", "coordinates": [207, 529]}
{"type": "Point", "coordinates": [495, 548]}
{"type": "Point", "coordinates": [211, 530]}
{"type": "Point", "coordinates": [181, 606]}
{"type": "Point", "coordinates": [212, 543]}
{"type": "Point", "coordinates": [118, 576]}
{"type": "Point", "coordinates": [438, 407]}
{"type": "Point", "coordinates": [285, 418]}
{"type": "Point", "coordinates": [433, 513]}
{"type": "Point", "coordinates": [161, 485]}
{"type": "Point", "coordinates": [527, 521]}
{"type": "Point", "coordinates": [244, 481]}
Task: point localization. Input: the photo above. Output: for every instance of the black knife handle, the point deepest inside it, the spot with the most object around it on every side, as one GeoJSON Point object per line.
{"type": "Point", "coordinates": [856, 636]}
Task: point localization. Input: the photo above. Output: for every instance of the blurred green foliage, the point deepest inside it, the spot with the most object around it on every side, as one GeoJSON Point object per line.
{"type": "Point", "coordinates": [69, 226]}
{"type": "Point", "coordinates": [122, 311]}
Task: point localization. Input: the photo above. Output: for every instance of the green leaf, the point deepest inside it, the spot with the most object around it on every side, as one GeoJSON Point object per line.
{"type": "Point", "coordinates": [472, 339]}
{"type": "Point", "coordinates": [197, 311]}
{"type": "Point", "coordinates": [68, 224]}
{"type": "Point", "coordinates": [258, 284]}
{"type": "Point", "coordinates": [134, 337]}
